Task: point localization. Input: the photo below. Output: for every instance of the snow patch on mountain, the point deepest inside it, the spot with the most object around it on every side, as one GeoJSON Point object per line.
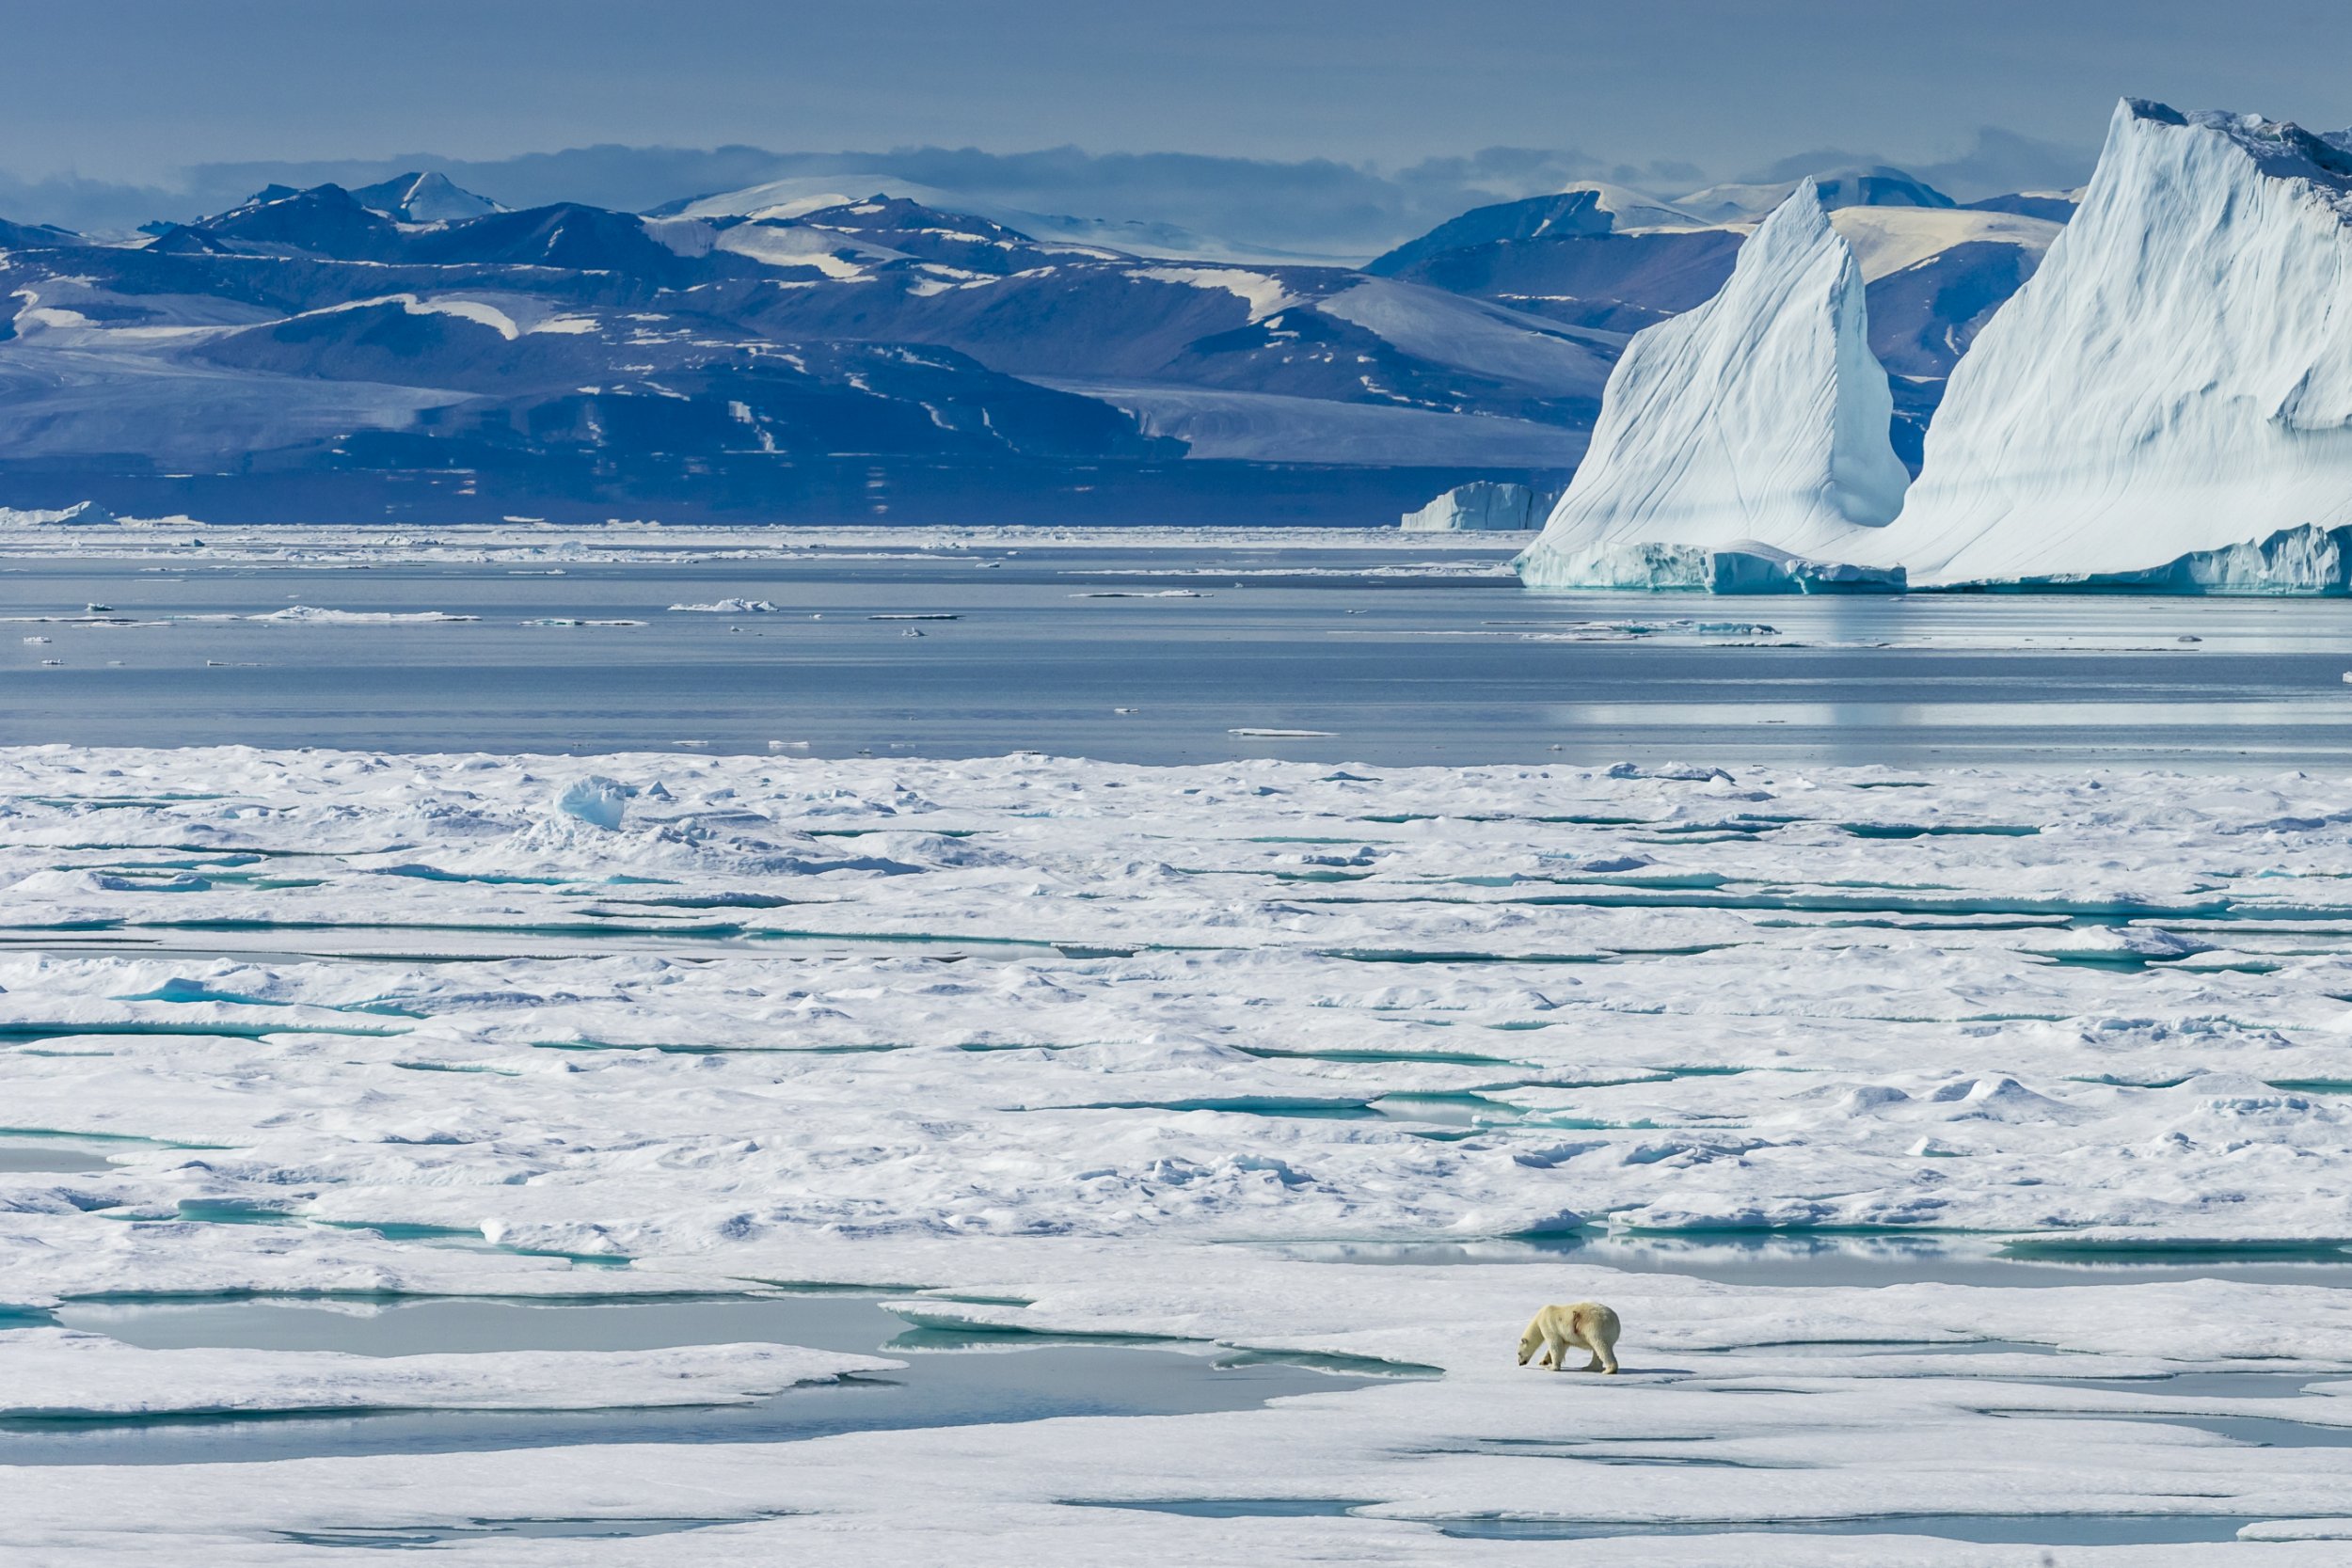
{"type": "Point", "coordinates": [1274, 427]}
{"type": "Point", "coordinates": [793, 198]}
{"type": "Point", "coordinates": [510, 317]}
{"type": "Point", "coordinates": [1887, 240]}
{"type": "Point", "coordinates": [2175, 381]}
{"type": "Point", "coordinates": [1471, 334]}
{"type": "Point", "coordinates": [1631, 213]}
{"type": "Point", "coordinates": [779, 245]}
{"type": "Point", "coordinates": [1759, 417]}
{"type": "Point", "coordinates": [1861, 185]}
{"type": "Point", "coordinates": [1264, 296]}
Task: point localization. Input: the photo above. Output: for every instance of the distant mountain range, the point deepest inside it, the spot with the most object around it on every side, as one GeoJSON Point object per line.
{"type": "Point", "coordinates": [809, 351]}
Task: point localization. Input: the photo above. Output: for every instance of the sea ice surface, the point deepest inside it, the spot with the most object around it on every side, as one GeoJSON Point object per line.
{"type": "Point", "coordinates": [1049, 1047]}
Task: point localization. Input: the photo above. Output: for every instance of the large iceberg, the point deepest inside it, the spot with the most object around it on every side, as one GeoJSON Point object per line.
{"type": "Point", "coordinates": [1754, 426]}
{"type": "Point", "coordinates": [2169, 401]}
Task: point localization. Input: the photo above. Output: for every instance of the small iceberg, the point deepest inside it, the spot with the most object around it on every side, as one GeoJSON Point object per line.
{"type": "Point", "coordinates": [303, 615]}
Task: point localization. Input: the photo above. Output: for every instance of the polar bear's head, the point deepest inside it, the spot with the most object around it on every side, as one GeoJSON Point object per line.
{"type": "Point", "coordinates": [1529, 1341]}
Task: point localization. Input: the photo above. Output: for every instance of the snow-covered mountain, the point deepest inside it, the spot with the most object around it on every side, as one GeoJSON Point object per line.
{"type": "Point", "coordinates": [2057, 206]}
{"type": "Point", "coordinates": [2175, 382]}
{"type": "Point", "coordinates": [1754, 426]}
{"type": "Point", "coordinates": [1936, 275]}
{"type": "Point", "coordinates": [1579, 212]}
{"type": "Point", "coordinates": [1935, 271]}
{"type": "Point", "coordinates": [1860, 186]}
{"type": "Point", "coordinates": [424, 198]}
{"type": "Point", "coordinates": [796, 196]}
{"type": "Point", "coordinates": [818, 347]}
{"type": "Point", "coordinates": [344, 353]}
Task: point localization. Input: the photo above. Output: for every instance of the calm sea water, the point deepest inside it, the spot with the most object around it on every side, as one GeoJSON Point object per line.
{"type": "Point", "coordinates": [1391, 662]}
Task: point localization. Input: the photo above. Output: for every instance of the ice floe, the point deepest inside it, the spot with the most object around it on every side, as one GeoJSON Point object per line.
{"type": "Point", "coordinates": [1051, 1047]}
{"type": "Point", "coordinates": [57, 1375]}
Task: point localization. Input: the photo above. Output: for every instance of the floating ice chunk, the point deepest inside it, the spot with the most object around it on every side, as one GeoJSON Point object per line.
{"type": "Point", "coordinates": [730, 606]}
{"type": "Point", "coordinates": [1483, 506]}
{"type": "Point", "coordinates": [54, 1373]}
{"type": "Point", "coordinates": [1686, 772]}
{"type": "Point", "coordinates": [596, 800]}
{"type": "Point", "coordinates": [2297, 1529]}
{"type": "Point", "coordinates": [65, 882]}
{"type": "Point", "coordinates": [311, 614]}
{"type": "Point", "coordinates": [81, 514]}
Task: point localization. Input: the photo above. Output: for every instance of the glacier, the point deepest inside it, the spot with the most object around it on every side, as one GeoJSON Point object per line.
{"type": "Point", "coordinates": [1756, 424]}
{"type": "Point", "coordinates": [2167, 402]}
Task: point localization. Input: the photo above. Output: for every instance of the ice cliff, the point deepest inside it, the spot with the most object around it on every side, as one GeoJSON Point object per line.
{"type": "Point", "coordinates": [1753, 428]}
{"type": "Point", "coordinates": [1483, 506]}
{"type": "Point", "coordinates": [2169, 399]}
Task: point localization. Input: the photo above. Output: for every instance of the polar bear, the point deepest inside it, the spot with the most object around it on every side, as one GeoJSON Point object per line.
{"type": "Point", "coordinates": [1585, 1324]}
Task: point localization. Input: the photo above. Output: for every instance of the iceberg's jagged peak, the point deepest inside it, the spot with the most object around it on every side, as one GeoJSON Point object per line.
{"type": "Point", "coordinates": [1760, 416]}
{"type": "Point", "coordinates": [2176, 379]}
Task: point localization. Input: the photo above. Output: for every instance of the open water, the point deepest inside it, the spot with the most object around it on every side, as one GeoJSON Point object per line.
{"type": "Point", "coordinates": [1382, 657]}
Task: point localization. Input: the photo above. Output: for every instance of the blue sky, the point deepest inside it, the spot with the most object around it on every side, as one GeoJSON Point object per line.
{"type": "Point", "coordinates": [141, 92]}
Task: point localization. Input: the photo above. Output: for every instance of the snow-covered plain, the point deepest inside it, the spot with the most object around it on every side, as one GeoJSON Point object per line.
{"type": "Point", "coordinates": [1059, 1045]}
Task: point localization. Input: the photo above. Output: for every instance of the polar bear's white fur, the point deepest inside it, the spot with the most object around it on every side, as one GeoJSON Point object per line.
{"type": "Point", "coordinates": [1587, 1325]}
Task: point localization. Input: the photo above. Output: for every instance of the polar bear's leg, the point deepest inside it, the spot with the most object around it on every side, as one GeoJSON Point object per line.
{"type": "Point", "coordinates": [1596, 1329]}
{"type": "Point", "coordinates": [1556, 1353]}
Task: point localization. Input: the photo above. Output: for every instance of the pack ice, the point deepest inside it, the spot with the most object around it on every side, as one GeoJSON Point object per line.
{"type": "Point", "coordinates": [1244, 1061]}
{"type": "Point", "coordinates": [2169, 398]}
{"type": "Point", "coordinates": [1738, 436]}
